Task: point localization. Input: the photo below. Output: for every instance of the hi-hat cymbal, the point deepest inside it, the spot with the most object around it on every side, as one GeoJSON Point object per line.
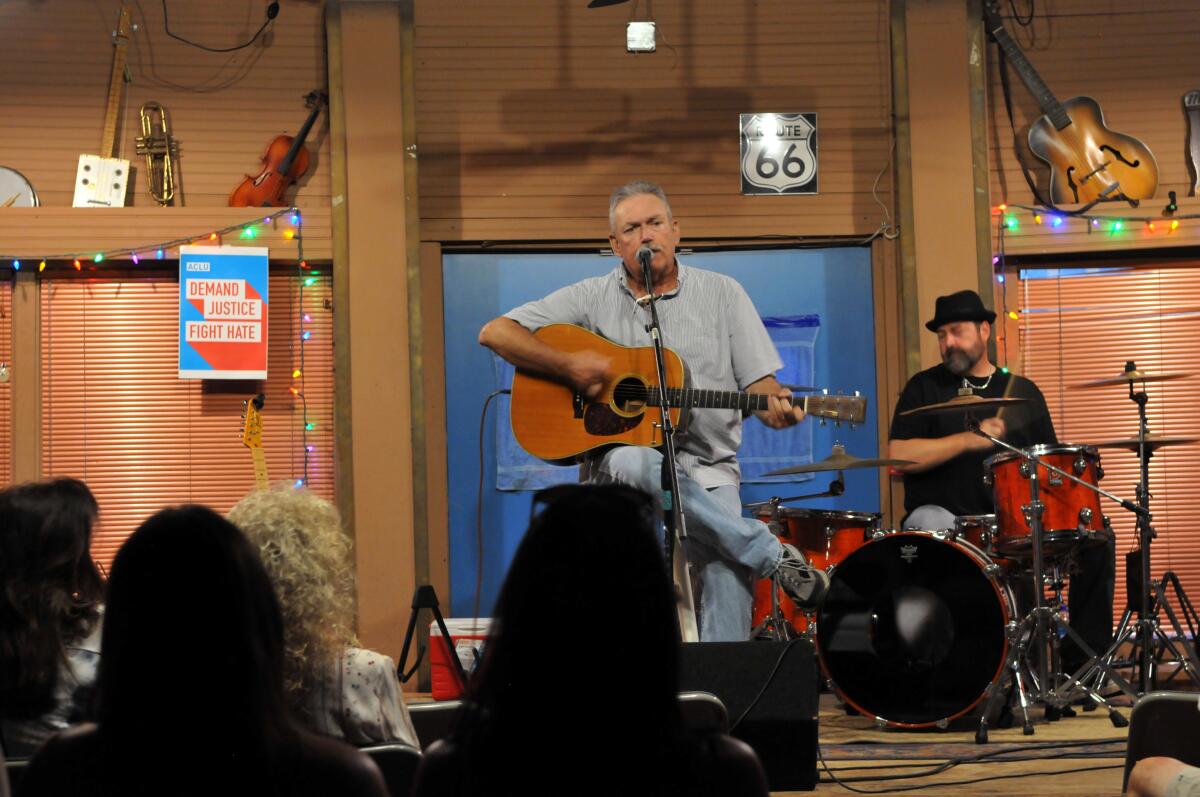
{"type": "Point", "coordinates": [1153, 441]}
{"type": "Point", "coordinates": [963, 404]}
{"type": "Point", "coordinates": [838, 460]}
{"type": "Point", "coordinates": [1127, 377]}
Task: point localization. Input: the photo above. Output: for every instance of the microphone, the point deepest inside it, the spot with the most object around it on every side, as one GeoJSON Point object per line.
{"type": "Point", "coordinates": [644, 255]}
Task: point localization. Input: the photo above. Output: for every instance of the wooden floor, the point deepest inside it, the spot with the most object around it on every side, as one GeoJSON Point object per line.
{"type": "Point", "coordinates": [854, 748]}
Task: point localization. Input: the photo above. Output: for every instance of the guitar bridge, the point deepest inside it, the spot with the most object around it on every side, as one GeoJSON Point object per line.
{"type": "Point", "coordinates": [577, 402]}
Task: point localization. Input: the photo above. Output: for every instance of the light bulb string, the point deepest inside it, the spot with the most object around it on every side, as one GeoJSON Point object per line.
{"type": "Point", "coordinates": [171, 244]}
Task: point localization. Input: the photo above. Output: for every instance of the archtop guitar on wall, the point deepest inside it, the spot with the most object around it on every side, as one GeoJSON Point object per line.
{"type": "Point", "coordinates": [553, 421]}
{"type": "Point", "coordinates": [1088, 162]}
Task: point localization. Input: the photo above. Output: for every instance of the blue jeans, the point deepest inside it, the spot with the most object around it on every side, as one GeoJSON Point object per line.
{"type": "Point", "coordinates": [930, 517]}
{"type": "Point", "coordinates": [727, 551]}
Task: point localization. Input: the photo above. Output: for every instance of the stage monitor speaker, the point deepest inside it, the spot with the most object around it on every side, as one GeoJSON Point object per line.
{"type": "Point", "coordinates": [775, 686]}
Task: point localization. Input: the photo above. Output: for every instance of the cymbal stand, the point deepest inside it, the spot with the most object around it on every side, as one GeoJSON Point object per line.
{"type": "Point", "coordinates": [1042, 625]}
{"type": "Point", "coordinates": [1147, 628]}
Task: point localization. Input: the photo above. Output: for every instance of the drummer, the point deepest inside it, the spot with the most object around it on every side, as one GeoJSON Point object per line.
{"type": "Point", "coordinates": [946, 477]}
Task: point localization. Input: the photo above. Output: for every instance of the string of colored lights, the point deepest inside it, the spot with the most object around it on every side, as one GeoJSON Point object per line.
{"type": "Point", "coordinates": [247, 230]}
{"type": "Point", "coordinates": [159, 250]}
{"type": "Point", "coordinates": [1167, 221]}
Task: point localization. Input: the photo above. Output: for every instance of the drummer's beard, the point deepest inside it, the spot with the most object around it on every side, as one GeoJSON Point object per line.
{"type": "Point", "coordinates": [959, 361]}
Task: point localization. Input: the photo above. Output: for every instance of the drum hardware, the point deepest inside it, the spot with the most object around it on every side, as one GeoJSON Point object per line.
{"type": "Point", "coordinates": [838, 460]}
{"type": "Point", "coordinates": [1152, 443]}
{"type": "Point", "coordinates": [1040, 630]}
{"type": "Point", "coordinates": [836, 488]}
{"type": "Point", "coordinates": [964, 403]}
{"type": "Point", "coordinates": [825, 538]}
{"type": "Point", "coordinates": [1129, 376]}
{"type": "Point", "coordinates": [1151, 595]}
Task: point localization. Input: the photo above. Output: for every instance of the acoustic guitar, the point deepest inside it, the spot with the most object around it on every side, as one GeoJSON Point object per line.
{"type": "Point", "coordinates": [553, 421]}
{"type": "Point", "coordinates": [1088, 162]}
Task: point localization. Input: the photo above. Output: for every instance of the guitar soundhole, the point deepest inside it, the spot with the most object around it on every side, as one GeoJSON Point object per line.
{"type": "Point", "coordinates": [1117, 153]}
{"type": "Point", "coordinates": [1071, 182]}
{"type": "Point", "coordinates": [629, 395]}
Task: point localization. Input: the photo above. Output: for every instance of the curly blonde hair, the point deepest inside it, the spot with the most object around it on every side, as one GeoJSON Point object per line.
{"type": "Point", "coordinates": [308, 558]}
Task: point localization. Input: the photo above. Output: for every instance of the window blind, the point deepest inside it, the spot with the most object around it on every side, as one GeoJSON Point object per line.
{"type": "Point", "coordinates": [115, 414]}
{"type": "Point", "coordinates": [1083, 324]}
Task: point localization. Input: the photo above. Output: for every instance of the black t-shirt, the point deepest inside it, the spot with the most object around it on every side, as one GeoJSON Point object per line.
{"type": "Point", "coordinates": [957, 484]}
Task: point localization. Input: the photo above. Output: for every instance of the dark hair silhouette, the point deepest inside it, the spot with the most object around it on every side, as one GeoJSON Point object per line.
{"type": "Point", "coordinates": [50, 589]}
{"type": "Point", "coordinates": [190, 687]}
{"type": "Point", "coordinates": [587, 609]}
{"type": "Point", "coordinates": [189, 573]}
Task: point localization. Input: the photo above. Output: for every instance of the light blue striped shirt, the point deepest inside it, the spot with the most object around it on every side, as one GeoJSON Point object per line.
{"type": "Point", "coordinates": [708, 320]}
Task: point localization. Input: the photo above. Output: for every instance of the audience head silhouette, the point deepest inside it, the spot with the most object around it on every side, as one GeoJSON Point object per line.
{"type": "Point", "coordinates": [189, 694]}
{"type": "Point", "coordinates": [51, 590]}
{"type": "Point", "coordinates": [583, 653]}
{"type": "Point", "coordinates": [190, 562]}
{"type": "Point", "coordinates": [307, 556]}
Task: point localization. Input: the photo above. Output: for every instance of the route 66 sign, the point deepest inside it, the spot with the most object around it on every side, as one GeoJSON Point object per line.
{"type": "Point", "coordinates": [779, 153]}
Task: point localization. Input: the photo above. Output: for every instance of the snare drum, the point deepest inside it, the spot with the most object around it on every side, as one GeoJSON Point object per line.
{"type": "Point", "coordinates": [1072, 513]}
{"type": "Point", "coordinates": [912, 631]}
{"type": "Point", "coordinates": [979, 530]}
{"type": "Point", "coordinates": [825, 537]}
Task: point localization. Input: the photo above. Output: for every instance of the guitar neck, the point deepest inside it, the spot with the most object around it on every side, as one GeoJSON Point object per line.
{"type": "Point", "coordinates": [1046, 100]}
{"type": "Point", "coordinates": [711, 399]}
{"type": "Point", "coordinates": [116, 83]}
{"type": "Point", "coordinates": [260, 468]}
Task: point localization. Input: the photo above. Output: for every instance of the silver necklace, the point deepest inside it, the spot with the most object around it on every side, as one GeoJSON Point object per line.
{"type": "Point", "coordinates": [988, 381]}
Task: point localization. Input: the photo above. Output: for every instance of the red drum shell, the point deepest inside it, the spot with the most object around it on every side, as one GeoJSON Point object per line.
{"type": "Point", "coordinates": [826, 537]}
{"type": "Point", "coordinates": [1072, 513]}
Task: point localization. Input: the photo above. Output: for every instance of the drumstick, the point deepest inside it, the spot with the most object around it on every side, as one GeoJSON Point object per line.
{"type": "Point", "coordinates": [9, 202]}
{"type": "Point", "coordinates": [1012, 380]}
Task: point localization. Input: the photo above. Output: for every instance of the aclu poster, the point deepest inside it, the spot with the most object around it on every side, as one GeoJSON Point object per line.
{"type": "Point", "coordinates": [222, 312]}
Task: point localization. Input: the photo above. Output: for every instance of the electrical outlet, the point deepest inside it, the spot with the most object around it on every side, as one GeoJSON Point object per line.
{"type": "Point", "coordinates": [639, 37]}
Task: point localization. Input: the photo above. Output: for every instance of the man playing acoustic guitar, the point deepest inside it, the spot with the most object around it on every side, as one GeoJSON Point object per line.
{"type": "Point", "coordinates": [710, 321]}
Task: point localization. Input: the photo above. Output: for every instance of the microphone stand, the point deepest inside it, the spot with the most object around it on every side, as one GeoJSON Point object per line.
{"type": "Point", "coordinates": [673, 515]}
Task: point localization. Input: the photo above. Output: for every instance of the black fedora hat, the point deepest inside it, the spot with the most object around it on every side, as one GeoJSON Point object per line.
{"type": "Point", "coordinates": [961, 306]}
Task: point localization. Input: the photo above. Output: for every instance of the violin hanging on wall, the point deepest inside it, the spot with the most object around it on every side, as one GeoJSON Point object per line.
{"type": "Point", "coordinates": [284, 162]}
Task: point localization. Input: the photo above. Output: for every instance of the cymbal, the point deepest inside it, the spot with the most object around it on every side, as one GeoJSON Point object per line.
{"type": "Point", "coordinates": [1127, 377]}
{"type": "Point", "coordinates": [1153, 441]}
{"type": "Point", "coordinates": [838, 460]}
{"type": "Point", "coordinates": [963, 404]}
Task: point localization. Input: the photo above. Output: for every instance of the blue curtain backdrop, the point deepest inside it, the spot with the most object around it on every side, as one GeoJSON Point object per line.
{"type": "Point", "coordinates": [832, 285]}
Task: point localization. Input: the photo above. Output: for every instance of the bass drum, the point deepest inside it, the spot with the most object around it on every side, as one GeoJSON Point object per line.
{"type": "Point", "coordinates": [912, 632]}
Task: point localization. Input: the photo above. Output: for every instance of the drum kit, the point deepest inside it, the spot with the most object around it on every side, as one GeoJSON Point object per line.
{"type": "Point", "coordinates": [920, 627]}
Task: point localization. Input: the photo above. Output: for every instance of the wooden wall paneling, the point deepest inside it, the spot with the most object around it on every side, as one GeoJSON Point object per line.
{"type": "Point", "coordinates": [377, 304]}
{"type": "Point", "coordinates": [890, 372]}
{"type": "Point", "coordinates": [527, 119]}
{"type": "Point", "coordinates": [48, 231]}
{"type": "Point", "coordinates": [1137, 62]}
{"type": "Point", "coordinates": [224, 107]}
{"type": "Point", "coordinates": [944, 194]}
